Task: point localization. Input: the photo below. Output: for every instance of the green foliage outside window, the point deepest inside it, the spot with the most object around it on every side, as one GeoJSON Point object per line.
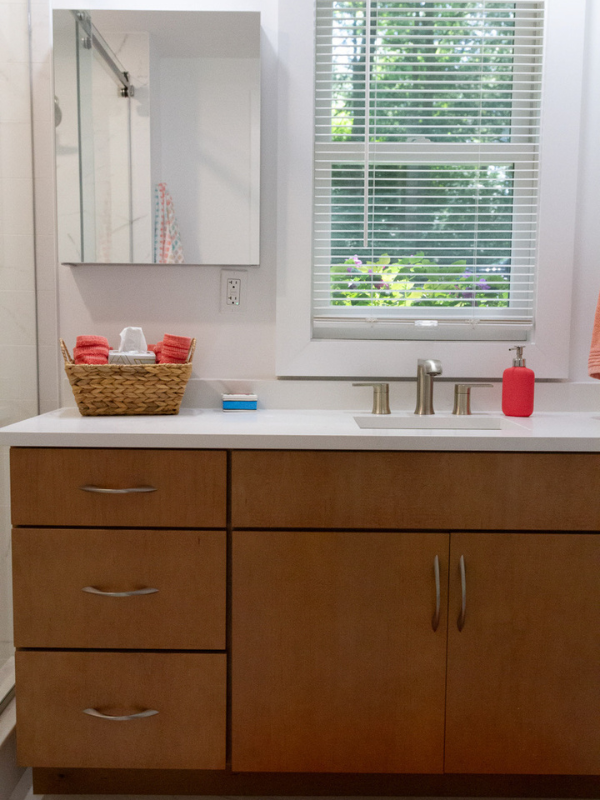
{"type": "Point", "coordinates": [438, 234]}
{"type": "Point", "coordinates": [412, 282]}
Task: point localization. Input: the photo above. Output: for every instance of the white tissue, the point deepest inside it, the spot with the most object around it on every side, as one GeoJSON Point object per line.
{"type": "Point", "coordinates": [133, 341]}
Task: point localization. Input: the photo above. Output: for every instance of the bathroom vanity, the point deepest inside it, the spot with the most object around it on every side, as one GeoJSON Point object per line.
{"type": "Point", "coordinates": [336, 611]}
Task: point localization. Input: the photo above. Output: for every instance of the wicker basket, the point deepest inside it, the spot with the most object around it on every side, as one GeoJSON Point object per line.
{"type": "Point", "coordinates": [117, 389]}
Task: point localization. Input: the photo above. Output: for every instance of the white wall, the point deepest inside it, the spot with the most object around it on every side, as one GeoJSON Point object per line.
{"type": "Point", "coordinates": [586, 280]}
{"type": "Point", "coordinates": [186, 300]}
{"type": "Point", "coordinates": [209, 121]}
{"type": "Point", "coordinates": [18, 388]}
{"type": "Point", "coordinates": [18, 361]}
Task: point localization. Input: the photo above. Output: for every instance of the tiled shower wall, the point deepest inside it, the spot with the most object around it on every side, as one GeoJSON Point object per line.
{"type": "Point", "coordinates": [18, 334]}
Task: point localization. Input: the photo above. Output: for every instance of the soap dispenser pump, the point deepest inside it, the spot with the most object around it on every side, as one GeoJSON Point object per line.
{"type": "Point", "coordinates": [517, 387]}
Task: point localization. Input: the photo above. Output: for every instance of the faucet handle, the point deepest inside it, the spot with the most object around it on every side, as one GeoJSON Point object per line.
{"type": "Point", "coordinates": [381, 397]}
{"type": "Point", "coordinates": [462, 396]}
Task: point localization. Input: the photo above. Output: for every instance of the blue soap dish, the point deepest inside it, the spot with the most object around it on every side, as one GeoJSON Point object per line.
{"type": "Point", "coordinates": [236, 402]}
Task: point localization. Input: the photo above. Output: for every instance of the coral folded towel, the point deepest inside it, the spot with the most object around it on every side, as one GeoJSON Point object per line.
{"type": "Point", "coordinates": [594, 359]}
{"type": "Point", "coordinates": [168, 356]}
{"type": "Point", "coordinates": [172, 349]}
{"type": "Point", "coordinates": [175, 349]}
{"type": "Point", "coordinates": [94, 349]}
{"type": "Point", "coordinates": [91, 350]}
{"type": "Point", "coordinates": [173, 356]}
{"type": "Point", "coordinates": [157, 349]}
{"type": "Point", "coordinates": [91, 341]}
{"type": "Point", "coordinates": [87, 359]}
{"type": "Point", "coordinates": [177, 342]}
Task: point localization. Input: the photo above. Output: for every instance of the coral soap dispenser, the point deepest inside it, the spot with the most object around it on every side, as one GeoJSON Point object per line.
{"type": "Point", "coordinates": [517, 387]}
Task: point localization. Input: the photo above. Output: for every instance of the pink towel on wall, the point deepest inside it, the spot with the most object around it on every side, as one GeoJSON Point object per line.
{"type": "Point", "coordinates": [594, 359]}
{"type": "Point", "coordinates": [167, 240]}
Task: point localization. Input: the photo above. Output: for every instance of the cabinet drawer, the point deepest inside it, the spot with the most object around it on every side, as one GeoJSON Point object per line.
{"type": "Point", "coordinates": [187, 690]}
{"type": "Point", "coordinates": [439, 490]}
{"type": "Point", "coordinates": [51, 567]}
{"type": "Point", "coordinates": [189, 487]}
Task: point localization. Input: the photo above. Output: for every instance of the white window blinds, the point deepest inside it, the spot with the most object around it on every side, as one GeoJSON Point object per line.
{"type": "Point", "coordinates": [426, 168]}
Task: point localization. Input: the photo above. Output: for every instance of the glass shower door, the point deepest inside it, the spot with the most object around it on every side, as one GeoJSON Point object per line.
{"type": "Point", "coordinates": [104, 150]}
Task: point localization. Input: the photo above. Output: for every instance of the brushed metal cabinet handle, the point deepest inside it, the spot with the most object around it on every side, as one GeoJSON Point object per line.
{"type": "Point", "coordinates": [132, 490]}
{"type": "Point", "coordinates": [463, 587]}
{"type": "Point", "coordinates": [436, 616]}
{"type": "Point", "coordinates": [93, 712]}
{"type": "Point", "coordinates": [135, 593]}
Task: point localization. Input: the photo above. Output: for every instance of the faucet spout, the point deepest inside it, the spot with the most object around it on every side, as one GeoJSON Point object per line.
{"type": "Point", "coordinates": [427, 369]}
{"type": "Point", "coordinates": [431, 366]}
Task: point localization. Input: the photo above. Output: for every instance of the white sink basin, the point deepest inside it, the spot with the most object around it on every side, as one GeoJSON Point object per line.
{"type": "Point", "coordinates": [407, 420]}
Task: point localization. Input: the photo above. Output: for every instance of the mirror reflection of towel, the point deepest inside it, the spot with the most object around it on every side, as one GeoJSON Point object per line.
{"type": "Point", "coordinates": [594, 357]}
{"type": "Point", "coordinates": [167, 239]}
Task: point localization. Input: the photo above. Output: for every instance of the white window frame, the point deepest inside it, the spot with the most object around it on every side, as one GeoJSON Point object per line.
{"type": "Point", "coordinates": [301, 355]}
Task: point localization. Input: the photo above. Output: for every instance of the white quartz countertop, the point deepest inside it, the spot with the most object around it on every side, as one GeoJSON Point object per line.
{"type": "Point", "coordinates": [297, 430]}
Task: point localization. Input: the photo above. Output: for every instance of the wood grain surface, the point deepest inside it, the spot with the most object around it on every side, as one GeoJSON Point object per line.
{"type": "Point", "coordinates": [276, 784]}
{"type": "Point", "coordinates": [51, 566]}
{"type": "Point", "coordinates": [188, 691]}
{"type": "Point", "coordinates": [336, 667]}
{"type": "Point", "coordinates": [524, 674]}
{"type": "Point", "coordinates": [191, 487]}
{"type": "Point", "coordinates": [441, 490]}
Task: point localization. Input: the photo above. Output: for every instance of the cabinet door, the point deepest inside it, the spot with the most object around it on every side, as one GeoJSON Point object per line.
{"type": "Point", "coordinates": [336, 666]}
{"type": "Point", "coordinates": [524, 673]}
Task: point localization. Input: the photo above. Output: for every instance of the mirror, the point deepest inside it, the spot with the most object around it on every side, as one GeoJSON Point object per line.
{"type": "Point", "coordinates": [157, 117]}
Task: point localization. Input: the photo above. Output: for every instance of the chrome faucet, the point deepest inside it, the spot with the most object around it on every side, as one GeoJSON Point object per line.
{"type": "Point", "coordinates": [427, 369]}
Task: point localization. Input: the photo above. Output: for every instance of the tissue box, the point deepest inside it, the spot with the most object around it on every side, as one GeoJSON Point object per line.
{"type": "Point", "coordinates": [233, 402]}
{"type": "Point", "coordinates": [116, 357]}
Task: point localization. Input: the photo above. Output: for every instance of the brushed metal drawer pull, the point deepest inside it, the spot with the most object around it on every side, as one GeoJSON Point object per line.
{"type": "Point", "coordinates": [132, 490]}
{"type": "Point", "coordinates": [436, 571]}
{"type": "Point", "coordinates": [135, 593]}
{"type": "Point", "coordinates": [93, 712]}
{"type": "Point", "coordinates": [463, 586]}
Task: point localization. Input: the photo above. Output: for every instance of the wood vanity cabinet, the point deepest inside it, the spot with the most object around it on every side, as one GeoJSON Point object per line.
{"type": "Point", "coordinates": [114, 614]}
{"type": "Point", "coordinates": [342, 652]}
{"type": "Point", "coordinates": [333, 645]}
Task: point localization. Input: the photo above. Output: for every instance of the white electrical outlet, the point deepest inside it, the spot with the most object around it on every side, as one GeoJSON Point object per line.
{"type": "Point", "coordinates": [233, 290]}
{"type": "Point", "coordinates": [234, 286]}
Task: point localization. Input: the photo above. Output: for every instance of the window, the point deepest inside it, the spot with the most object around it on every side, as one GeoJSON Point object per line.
{"type": "Point", "coordinates": [426, 167]}
{"type": "Point", "coordinates": [521, 158]}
